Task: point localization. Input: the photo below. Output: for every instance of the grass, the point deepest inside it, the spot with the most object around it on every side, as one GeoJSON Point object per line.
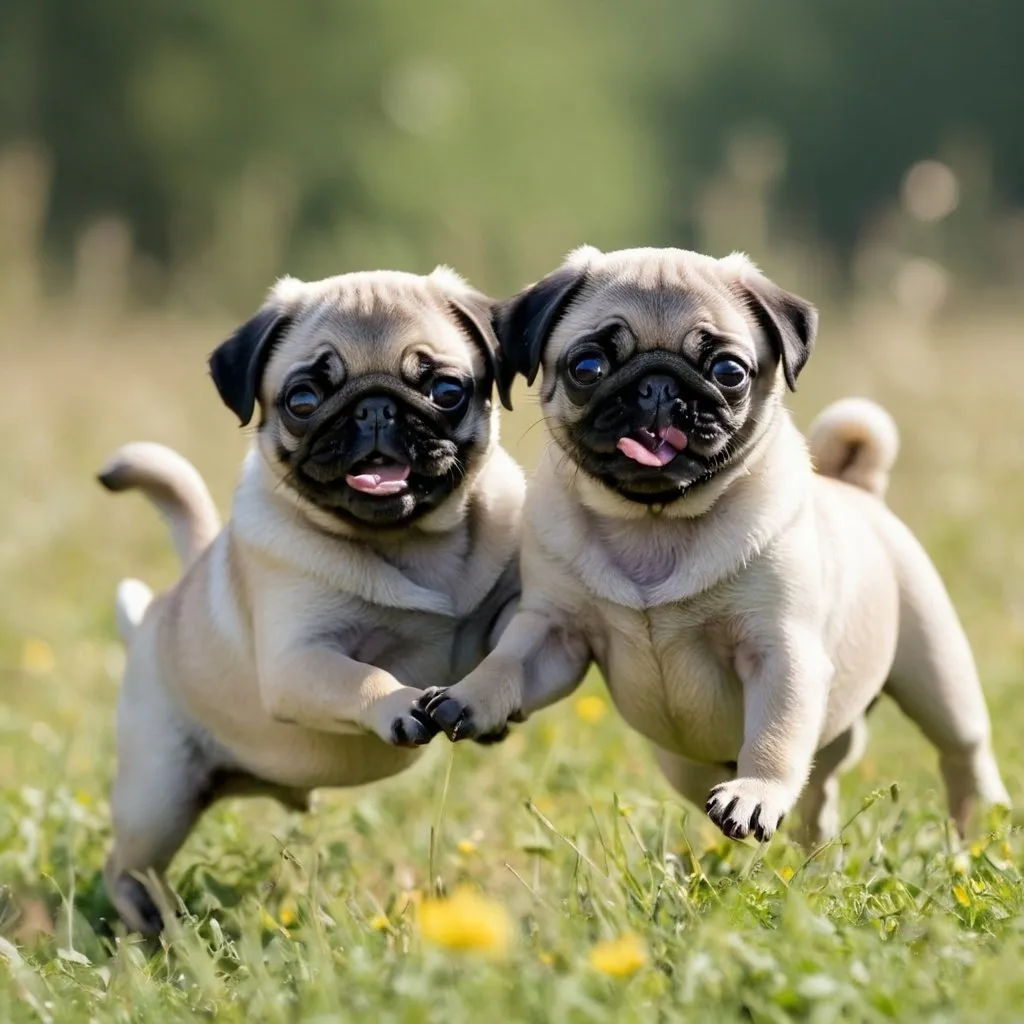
{"type": "Point", "coordinates": [567, 830]}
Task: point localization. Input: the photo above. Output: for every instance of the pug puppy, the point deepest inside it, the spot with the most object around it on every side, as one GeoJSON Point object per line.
{"type": "Point", "coordinates": [371, 553]}
{"type": "Point", "coordinates": [743, 609]}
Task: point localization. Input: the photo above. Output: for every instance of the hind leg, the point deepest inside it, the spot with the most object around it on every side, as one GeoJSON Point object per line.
{"type": "Point", "coordinates": [153, 815]}
{"type": "Point", "coordinates": [159, 792]}
{"type": "Point", "coordinates": [935, 683]}
{"type": "Point", "coordinates": [818, 809]}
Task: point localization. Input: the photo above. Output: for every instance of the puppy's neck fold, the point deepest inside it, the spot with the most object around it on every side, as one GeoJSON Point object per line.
{"type": "Point", "coordinates": [623, 553]}
{"type": "Point", "coordinates": [477, 535]}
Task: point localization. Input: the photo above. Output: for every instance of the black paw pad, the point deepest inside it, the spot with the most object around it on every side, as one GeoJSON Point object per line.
{"type": "Point", "coordinates": [413, 730]}
{"type": "Point", "coordinates": [422, 702]}
{"type": "Point", "coordinates": [452, 716]}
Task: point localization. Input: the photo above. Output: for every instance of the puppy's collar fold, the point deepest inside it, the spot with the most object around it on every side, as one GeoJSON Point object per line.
{"type": "Point", "coordinates": [351, 566]}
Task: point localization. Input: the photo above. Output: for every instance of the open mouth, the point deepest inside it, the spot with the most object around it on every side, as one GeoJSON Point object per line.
{"type": "Point", "coordinates": [651, 448]}
{"type": "Point", "coordinates": [379, 475]}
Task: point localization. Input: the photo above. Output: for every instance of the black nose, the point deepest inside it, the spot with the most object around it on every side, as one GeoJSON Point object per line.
{"type": "Point", "coordinates": [375, 410]}
{"type": "Point", "coordinates": [657, 390]}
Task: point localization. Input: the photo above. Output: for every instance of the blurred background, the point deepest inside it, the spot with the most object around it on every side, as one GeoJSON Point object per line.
{"type": "Point", "coordinates": [162, 162]}
{"type": "Point", "coordinates": [188, 152]}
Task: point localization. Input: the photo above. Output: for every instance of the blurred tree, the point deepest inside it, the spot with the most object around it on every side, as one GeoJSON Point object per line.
{"type": "Point", "coordinates": [857, 92]}
{"type": "Point", "coordinates": [240, 140]}
{"type": "Point", "coordinates": [343, 133]}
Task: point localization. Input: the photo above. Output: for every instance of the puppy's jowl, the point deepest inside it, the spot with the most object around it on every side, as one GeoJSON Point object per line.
{"type": "Point", "coordinates": [743, 609]}
{"type": "Point", "coordinates": [371, 553]}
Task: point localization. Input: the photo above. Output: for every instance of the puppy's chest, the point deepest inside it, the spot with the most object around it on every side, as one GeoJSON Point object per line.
{"type": "Point", "coordinates": [670, 670]}
{"type": "Point", "coordinates": [420, 649]}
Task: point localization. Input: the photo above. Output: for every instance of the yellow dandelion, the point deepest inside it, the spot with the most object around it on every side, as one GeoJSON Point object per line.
{"type": "Point", "coordinates": [591, 709]}
{"type": "Point", "coordinates": [466, 847]}
{"type": "Point", "coordinates": [83, 798]}
{"type": "Point", "coordinates": [1004, 849]}
{"type": "Point", "coordinates": [545, 958]}
{"type": "Point", "coordinates": [37, 658]}
{"type": "Point", "coordinates": [289, 914]}
{"type": "Point", "coordinates": [269, 924]}
{"type": "Point", "coordinates": [466, 921]}
{"type": "Point", "coordinates": [621, 957]}
{"type": "Point", "coordinates": [978, 848]}
{"type": "Point", "coordinates": [379, 923]}
{"type": "Point", "coordinates": [786, 873]}
{"type": "Point", "coordinates": [962, 896]}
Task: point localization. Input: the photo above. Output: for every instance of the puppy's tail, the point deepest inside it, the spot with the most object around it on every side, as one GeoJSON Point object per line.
{"type": "Point", "coordinates": [175, 487]}
{"type": "Point", "coordinates": [855, 440]}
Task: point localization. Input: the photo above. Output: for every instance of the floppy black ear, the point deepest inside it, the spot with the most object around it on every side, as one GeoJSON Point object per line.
{"type": "Point", "coordinates": [524, 323]}
{"type": "Point", "coordinates": [473, 312]}
{"type": "Point", "coordinates": [790, 322]}
{"type": "Point", "coordinates": [237, 364]}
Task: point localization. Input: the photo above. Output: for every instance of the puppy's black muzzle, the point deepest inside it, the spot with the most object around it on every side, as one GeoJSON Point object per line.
{"type": "Point", "coordinates": [375, 412]}
{"type": "Point", "coordinates": [657, 400]}
{"type": "Point", "coordinates": [658, 379]}
{"type": "Point", "coordinates": [654, 390]}
{"type": "Point", "coordinates": [375, 419]}
{"type": "Point", "coordinates": [372, 407]}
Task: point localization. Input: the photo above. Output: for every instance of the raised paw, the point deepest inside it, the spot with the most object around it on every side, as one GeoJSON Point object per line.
{"type": "Point", "coordinates": [453, 716]}
{"type": "Point", "coordinates": [462, 721]}
{"type": "Point", "coordinates": [422, 702]}
{"type": "Point", "coordinates": [414, 728]}
{"type": "Point", "coordinates": [745, 807]}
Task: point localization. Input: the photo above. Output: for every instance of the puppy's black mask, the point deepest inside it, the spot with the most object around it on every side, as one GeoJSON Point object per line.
{"type": "Point", "coordinates": [654, 427]}
{"type": "Point", "coordinates": [654, 424]}
{"type": "Point", "coordinates": [376, 452]}
{"type": "Point", "coordinates": [377, 449]}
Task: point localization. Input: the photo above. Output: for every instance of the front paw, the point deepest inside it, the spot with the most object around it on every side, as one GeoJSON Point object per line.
{"type": "Point", "coordinates": [412, 728]}
{"type": "Point", "coordinates": [432, 695]}
{"type": "Point", "coordinates": [745, 807]}
{"type": "Point", "coordinates": [461, 719]}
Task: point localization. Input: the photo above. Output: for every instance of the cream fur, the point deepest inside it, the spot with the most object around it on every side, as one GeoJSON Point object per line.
{"type": "Point", "coordinates": [288, 654]}
{"type": "Point", "coordinates": [745, 628]}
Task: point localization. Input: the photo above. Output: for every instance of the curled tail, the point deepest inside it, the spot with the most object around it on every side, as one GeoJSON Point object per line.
{"type": "Point", "coordinates": [181, 497]}
{"type": "Point", "coordinates": [855, 440]}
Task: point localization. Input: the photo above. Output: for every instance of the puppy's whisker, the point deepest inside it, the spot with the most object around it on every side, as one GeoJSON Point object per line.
{"type": "Point", "coordinates": [535, 424]}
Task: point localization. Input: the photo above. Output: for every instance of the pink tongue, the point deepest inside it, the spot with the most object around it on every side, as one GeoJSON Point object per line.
{"type": "Point", "coordinates": [382, 480]}
{"type": "Point", "coordinates": [673, 436]}
{"type": "Point", "coordinates": [671, 442]}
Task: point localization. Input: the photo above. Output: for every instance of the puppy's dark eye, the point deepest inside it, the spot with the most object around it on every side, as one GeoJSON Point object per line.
{"type": "Point", "coordinates": [447, 393]}
{"type": "Point", "coordinates": [728, 374]}
{"type": "Point", "coordinates": [302, 401]}
{"type": "Point", "coordinates": [588, 368]}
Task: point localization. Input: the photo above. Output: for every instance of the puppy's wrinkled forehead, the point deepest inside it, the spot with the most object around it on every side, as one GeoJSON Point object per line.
{"type": "Point", "coordinates": [374, 321]}
{"type": "Point", "coordinates": [663, 295]}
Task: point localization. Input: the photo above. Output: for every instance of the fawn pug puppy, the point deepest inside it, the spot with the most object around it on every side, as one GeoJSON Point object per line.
{"type": "Point", "coordinates": [743, 609]}
{"type": "Point", "coordinates": [371, 553]}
